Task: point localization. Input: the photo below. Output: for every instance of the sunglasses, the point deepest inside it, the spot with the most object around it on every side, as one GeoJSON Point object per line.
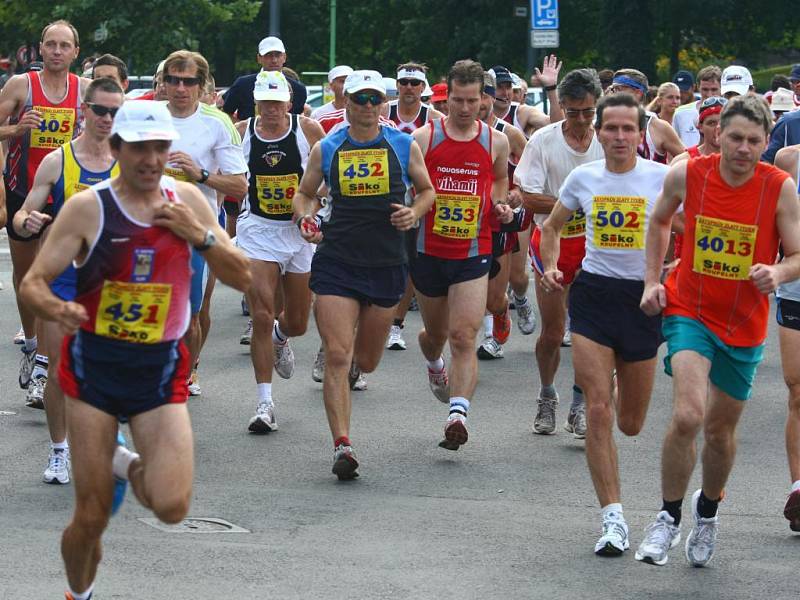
{"type": "Point", "coordinates": [584, 112]}
{"type": "Point", "coordinates": [712, 102]}
{"type": "Point", "coordinates": [411, 82]}
{"type": "Point", "coordinates": [186, 81]}
{"type": "Point", "coordinates": [102, 111]}
{"type": "Point", "coordinates": [361, 98]}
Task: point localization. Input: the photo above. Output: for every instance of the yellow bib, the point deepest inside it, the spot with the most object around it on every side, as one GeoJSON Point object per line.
{"type": "Point", "coordinates": [723, 249]}
{"type": "Point", "coordinates": [364, 172]}
{"type": "Point", "coordinates": [133, 312]}
{"type": "Point", "coordinates": [619, 222]}
{"type": "Point", "coordinates": [275, 193]}
{"type": "Point", "coordinates": [55, 129]}
{"type": "Point", "coordinates": [456, 216]}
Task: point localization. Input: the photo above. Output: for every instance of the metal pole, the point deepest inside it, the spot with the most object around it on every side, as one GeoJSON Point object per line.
{"type": "Point", "coordinates": [275, 17]}
{"type": "Point", "coordinates": [332, 54]}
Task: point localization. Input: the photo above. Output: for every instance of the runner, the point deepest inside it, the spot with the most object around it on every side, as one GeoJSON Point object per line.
{"type": "Point", "coordinates": [276, 147]}
{"type": "Point", "coordinates": [439, 98]}
{"type": "Point", "coordinates": [209, 154]}
{"type": "Point", "coordinates": [336, 77]}
{"type": "Point", "coordinates": [736, 81]}
{"type": "Point", "coordinates": [715, 310]}
{"type": "Point", "coordinates": [468, 164]}
{"type": "Point", "coordinates": [132, 248]}
{"type": "Point", "coordinates": [111, 67]}
{"type": "Point", "coordinates": [44, 108]}
{"type": "Point", "coordinates": [64, 172]}
{"type": "Point", "coordinates": [685, 120]}
{"type": "Point", "coordinates": [359, 269]}
{"type": "Point", "coordinates": [609, 330]}
{"type": "Point", "coordinates": [550, 155]}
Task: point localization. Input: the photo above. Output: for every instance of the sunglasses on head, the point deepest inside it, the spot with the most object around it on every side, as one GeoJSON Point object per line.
{"type": "Point", "coordinates": [186, 81]}
{"type": "Point", "coordinates": [713, 101]}
{"type": "Point", "coordinates": [361, 98]}
{"type": "Point", "coordinates": [102, 111]}
{"type": "Point", "coordinates": [411, 82]}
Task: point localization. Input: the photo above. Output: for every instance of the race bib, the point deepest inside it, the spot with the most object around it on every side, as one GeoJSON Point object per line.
{"type": "Point", "coordinates": [177, 174]}
{"type": "Point", "coordinates": [723, 249]}
{"type": "Point", "coordinates": [133, 312]}
{"type": "Point", "coordinates": [55, 129]}
{"type": "Point", "coordinates": [575, 225]}
{"type": "Point", "coordinates": [364, 172]}
{"type": "Point", "coordinates": [456, 216]}
{"type": "Point", "coordinates": [275, 193]}
{"type": "Point", "coordinates": [619, 222]}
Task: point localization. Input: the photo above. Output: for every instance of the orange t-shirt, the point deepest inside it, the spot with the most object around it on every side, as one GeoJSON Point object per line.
{"type": "Point", "coordinates": [728, 229]}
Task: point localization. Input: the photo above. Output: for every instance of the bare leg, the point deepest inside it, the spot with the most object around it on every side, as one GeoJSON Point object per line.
{"type": "Point", "coordinates": [719, 449]}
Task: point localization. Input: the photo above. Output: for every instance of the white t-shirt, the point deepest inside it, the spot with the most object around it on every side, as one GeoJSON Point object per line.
{"type": "Point", "coordinates": [618, 208]}
{"type": "Point", "coordinates": [684, 123]}
{"type": "Point", "coordinates": [210, 138]}
{"type": "Point", "coordinates": [323, 110]}
{"type": "Point", "coordinates": [548, 159]}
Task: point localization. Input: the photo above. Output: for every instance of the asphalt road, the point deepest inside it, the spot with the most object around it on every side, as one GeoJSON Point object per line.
{"type": "Point", "coordinates": [511, 515]}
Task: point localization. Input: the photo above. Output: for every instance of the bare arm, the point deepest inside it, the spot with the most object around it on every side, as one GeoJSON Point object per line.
{"type": "Point", "coordinates": [787, 218]}
{"type": "Point", "coordinates": [548, 77]}
{"type": "Point", "coordinates": [418, 173]}
{"type": "Point", "coordinates": [435, 114]}
{"type": "Point", "coordinates": [46, 176]}
{"type": "Point", "coordinates": [671, 144]}
{"type": "Point", "coordinates": [312, 130]}
{"type": "Point", "coordinates": [549, 247]}
{"type": "Point", "coordinates": [304, 202]}
{"type": "Point", "coordinates": [12, 96]}
{"type": "Point", "coordinates": [499, 167]}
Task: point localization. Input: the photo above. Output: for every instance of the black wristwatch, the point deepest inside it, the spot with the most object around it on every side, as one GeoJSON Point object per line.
{"type": "Point", "coordinates": [204, 175]}
{"type": "Point", "coordinates": [208, 241]}
{"type": "Point", "coordinates": [550, 88]}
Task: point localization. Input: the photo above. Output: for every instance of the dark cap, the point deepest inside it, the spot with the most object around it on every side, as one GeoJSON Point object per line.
{"type": "Point", "coordinates": [795, 74]}
{"type": "Point", "coordinates": [502, 75]}
{"type": "Point", "coordinates": [684, 80]}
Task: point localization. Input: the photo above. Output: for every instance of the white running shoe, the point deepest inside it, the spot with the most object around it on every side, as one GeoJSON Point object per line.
{"type": "Point", "coordinates": [490, 349]}
{"type": "Point", "coordinates": [526, 318]}
{"type": "Point", "coordinates": [357, 380]}
{"type": "Point", "coordinates": [26, 365]}
{"type": "Point", "coordinates": [660, 537]}
{"type": "Point", "coordinates": [264, 421]}
{"type": "Point", "coordinates": [283, 359]}
{"type": "Point", "coordinates": [395, 341]}
{"type": "Point", "coordinates": [318, 370]}
{"type": "Point", "coordinates": [20, 337]}
{"type": "Point", "coordinates": [576, 422]}
{"type": "Point", "coordinates": [545, 421]}
{"type": "Point", "coordinates": [34, 398]}
{"type": "Point", "coordinates": [57, 470]}
{"type": "Point", "coordinates": [440, 385]}
{"type": "Point", "coordinates": [614, 540]}
{"type": "Point", "coordinates": [702, 538]}
{"type": "Point", "coordinates": [194, 385]}
{"type": "Point", "coordinates": [566, 341]}
{"type": "Point", "coordinates": [247, 336]}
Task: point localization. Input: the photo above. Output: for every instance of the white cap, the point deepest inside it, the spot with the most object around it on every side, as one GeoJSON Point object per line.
{"type": "Point", "coordinates": [271, 85]}
{"type": "Point", "coordinates": [736, 79]}
{"type": "Point", "coordinates": [364, 80]}
{"type": "Point", "coordinates": [427, 92]}
{"type": "Point", "coordinates": [411, 74]}
{"type": "Point", "coordinates": [516, 82]}
{"type": "Point", "coordinates": [144, 121]}
{"type": "Point", "coordinates": [270, 44]}
{"type": "Point", "coordinates": [782, 100]}
{"type": "Point", "coordinates": [339, 71]}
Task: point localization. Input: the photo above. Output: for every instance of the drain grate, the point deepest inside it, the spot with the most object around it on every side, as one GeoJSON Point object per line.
{"type": "Point", "coordinates": [196, 525]}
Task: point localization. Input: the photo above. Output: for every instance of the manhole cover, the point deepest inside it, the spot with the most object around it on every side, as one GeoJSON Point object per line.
{"type": "Point", "coordinates": [7, 413]}
{"type": "Point", "coordinates": [196, 525]}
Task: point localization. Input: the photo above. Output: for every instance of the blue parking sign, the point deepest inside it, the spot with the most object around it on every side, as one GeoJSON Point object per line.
{"type": "Point", "coordinates": [544, 14]}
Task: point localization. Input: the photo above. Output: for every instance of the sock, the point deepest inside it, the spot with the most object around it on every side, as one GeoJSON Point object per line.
{"type": "Point", "coordinates": [458, 408]}
{"type": "Point", "coordinates": [548, 391]}
{"type": "Point", "coordinates": [674, 509]}
{"type": "Point", "coordinates": [122, 461]}
{"type": "Point", "coordinates": [40, 366]}
{"type": "Point", "coordinates": [31, 344]}
{"type": "Point", "coordinates": [520, 300]}
{"type": "Point", "coordinates": [277, 335]}
{"type": "Point", "coordinates": [264, 393]}
{"type": "Point", "coordinates": [613, 510]}
{"type": "Point", "coordinates": [796, 486]}
{"type": "Point", "coordinates": [577, 398]}
{"type": "Point", "coordinates": [59, 445]}
{"type": "Point", "coordinates": [437, 365]}
{"type": "Point", "coordinates": [398, 323]}
{"type": "Point", "coordinates": [566, 323]}
{"type": "Point", "coordinates": [488, 325]}
{"type": "Point", "coordinates": [706, 507]}
{"type": "Point", "coordinates": [341, 441]}
{"type": "Point", "coordinates": [87, 595]}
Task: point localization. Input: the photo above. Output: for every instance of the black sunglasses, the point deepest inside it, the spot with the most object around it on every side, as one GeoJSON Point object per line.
{"type": "Point", "coordinates": [361, 98]}
{"type": "Point", "coordinates": [411, 82]}
{"type": "Point", "coordinates": [186, 81]}
{"type": "Point", "coordinates": [102, 111]}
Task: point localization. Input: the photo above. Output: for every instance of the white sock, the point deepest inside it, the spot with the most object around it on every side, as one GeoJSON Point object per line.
{"type": "Point", "coordinates": [614, 509]}
{"type": "Point", "coordinates": [83, 595]}
{"type": "Point", "coordinates": [31, 344]}
{"type": "Point", "coordinates": [796, 486]}
{"type": "Point", "coordinates": [520, 300]}
{"type": "Point", "coordinates": [277, 335]}
{"type": "Point", "coordinates": [458, 408]}
{"type": "Point", "coordinates": [122, 461]}
{"type": "Point", "coordinates": [436, 365]}
{"type": "Point", "coordinates": [264, 393]}
{"type": "Point", "coordinates": [59, 445]}
{"type": "Point", "coordinates": [488, 325]}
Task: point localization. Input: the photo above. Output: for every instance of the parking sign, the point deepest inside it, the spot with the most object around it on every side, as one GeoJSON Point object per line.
{"type": "Point", "coordinates": [544, 14]}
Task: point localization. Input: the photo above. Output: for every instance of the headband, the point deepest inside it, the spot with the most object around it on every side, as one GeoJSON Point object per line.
{"type": "Point", "coordinates": [712, 110]}
{"type": "Point", "coordinates": [411, 74]}
{"type": "Point", "coordinates": [624, 80]}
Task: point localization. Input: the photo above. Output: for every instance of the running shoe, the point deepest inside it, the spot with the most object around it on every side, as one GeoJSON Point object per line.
{"type": "Point", "coordinates": [526, 318]}
{"type": "Point", "coordinates": [660, 537]}
{"type": "Point", "coordinates": [792, 510]}
{"type": "Point", "coordinates": [283, 359]}
{"type": "Point", "coordinates": [357, 380]}
{"type": "Point", "coordinates": [245, 308]}
{"type": "Point", "coordinates": [120, 483]}
{"type": "Point", "coordinates": [510, 295]}
{"type": "Point", "coordinates": [344, 463]}
{"type": "Point", "coordinates": [26, 365]}
{"type": "Point", "coordinates": [318, 370]}
{"type": "Point", "coordinates": [414, 306]}
{"type": "Point", "coordinates": [614, 540]}
{"type": "Point", "coordinates": [455, 435]}
{"type": "Point", "coordinates": [35, 395]}
{"type": "Point", "coordinates": [247, 336]}
{"type": "Point", "coordinates": [20, 337]}
{"type": "Point", "coordinates": [194, 384]}
{"type": "Point", "coordinates": [501, 326]}
{"type": "Point", "coordinates": [57, 471]}
{"type": "Point", "coordinates": [545, 421]}
{"type": "Point", "coordinates": [440, 384]}
{"type": "Point", "coordinates": [264, 421]}
{"type": "Point", "coordinates": [566, 341]}
{"type": "Point", "coordinates": [396, 341]}
{"type": "Point", "coordinates": [490, 349]}
{"type": "Point", "coordinates": [702, 538]}
{"type": "Point", "coordinates": [576, 422]}
{"type": "Point", "coordinates": [69, 596]}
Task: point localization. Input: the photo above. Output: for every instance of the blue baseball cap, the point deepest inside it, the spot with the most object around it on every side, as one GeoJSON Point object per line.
{"type": "Point", "coordinates": [795, 74]}
{"type": "Point", "coordinates": [684, 80]}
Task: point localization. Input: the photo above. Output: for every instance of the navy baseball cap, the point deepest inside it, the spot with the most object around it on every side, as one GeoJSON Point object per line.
{"type": "Point", "coordinates": [684, 80]}
{"type": "Point", "coordinates": [795, 74]}
{"type": "Point", "coordinates": [501, 75]}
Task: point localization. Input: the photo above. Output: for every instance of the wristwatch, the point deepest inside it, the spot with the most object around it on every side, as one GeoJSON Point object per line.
{"type": "Point", "coordinates": [204, 175]}
{"type": "Point", "coordinates": [208, 241]}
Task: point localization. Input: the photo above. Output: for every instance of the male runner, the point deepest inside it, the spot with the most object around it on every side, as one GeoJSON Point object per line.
{"type": "Point", "coordinates": [609, 330]}
{"type": "Point", "coordinates": [716, 309]}
{"type": "Point", "coordinates": [44, 108]}
{"type": "Point", "coordinates": [123, 358]}
{"type": "Point", "coordinates": [550, 155]}
{"type": "Point", "coordinates": [209, 154]}
{"type": "Point", "coordinates": [112, 67]}
{"type": "Point", "coordinates": [336, 77]}
{"type": "Point", "coordinates": [63, 173]}
{"type": "Point", "coordinates": [684, 122]}
{"type": "Point", "coordinates": [468, 164]}
{"type": "Point", "coordinates": [360, 268]}
{"type": "Point", "coordinates": [276, 147]}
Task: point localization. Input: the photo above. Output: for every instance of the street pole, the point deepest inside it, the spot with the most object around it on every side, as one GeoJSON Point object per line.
{"type": "Point", "coordinates": [332, 51]}
{"type": "Point", "coordinates": [275, 18]}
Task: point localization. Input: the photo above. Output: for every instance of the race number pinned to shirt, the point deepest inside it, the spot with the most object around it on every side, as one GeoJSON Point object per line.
{"type": "Point", "coordinates": [619, 222]}
{"type": "Point", "coordinates": [275, 193]}
{"type": "Point", "coordinates": [456, 216]}
{"type": "Point", "coordinates": [575, 225]}
{"type": "Point", "coordinates": [364, 172]}
{"type": "Point", "coordinates": [133, 312]}
{"type": "Point", "coordinates": [55, 129]}
{"type": "Point", "coordinates": [723, 249]}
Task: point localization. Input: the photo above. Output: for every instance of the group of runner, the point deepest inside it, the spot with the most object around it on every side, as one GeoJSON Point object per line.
{"type": "Point", "coordinates": [372, 203]}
